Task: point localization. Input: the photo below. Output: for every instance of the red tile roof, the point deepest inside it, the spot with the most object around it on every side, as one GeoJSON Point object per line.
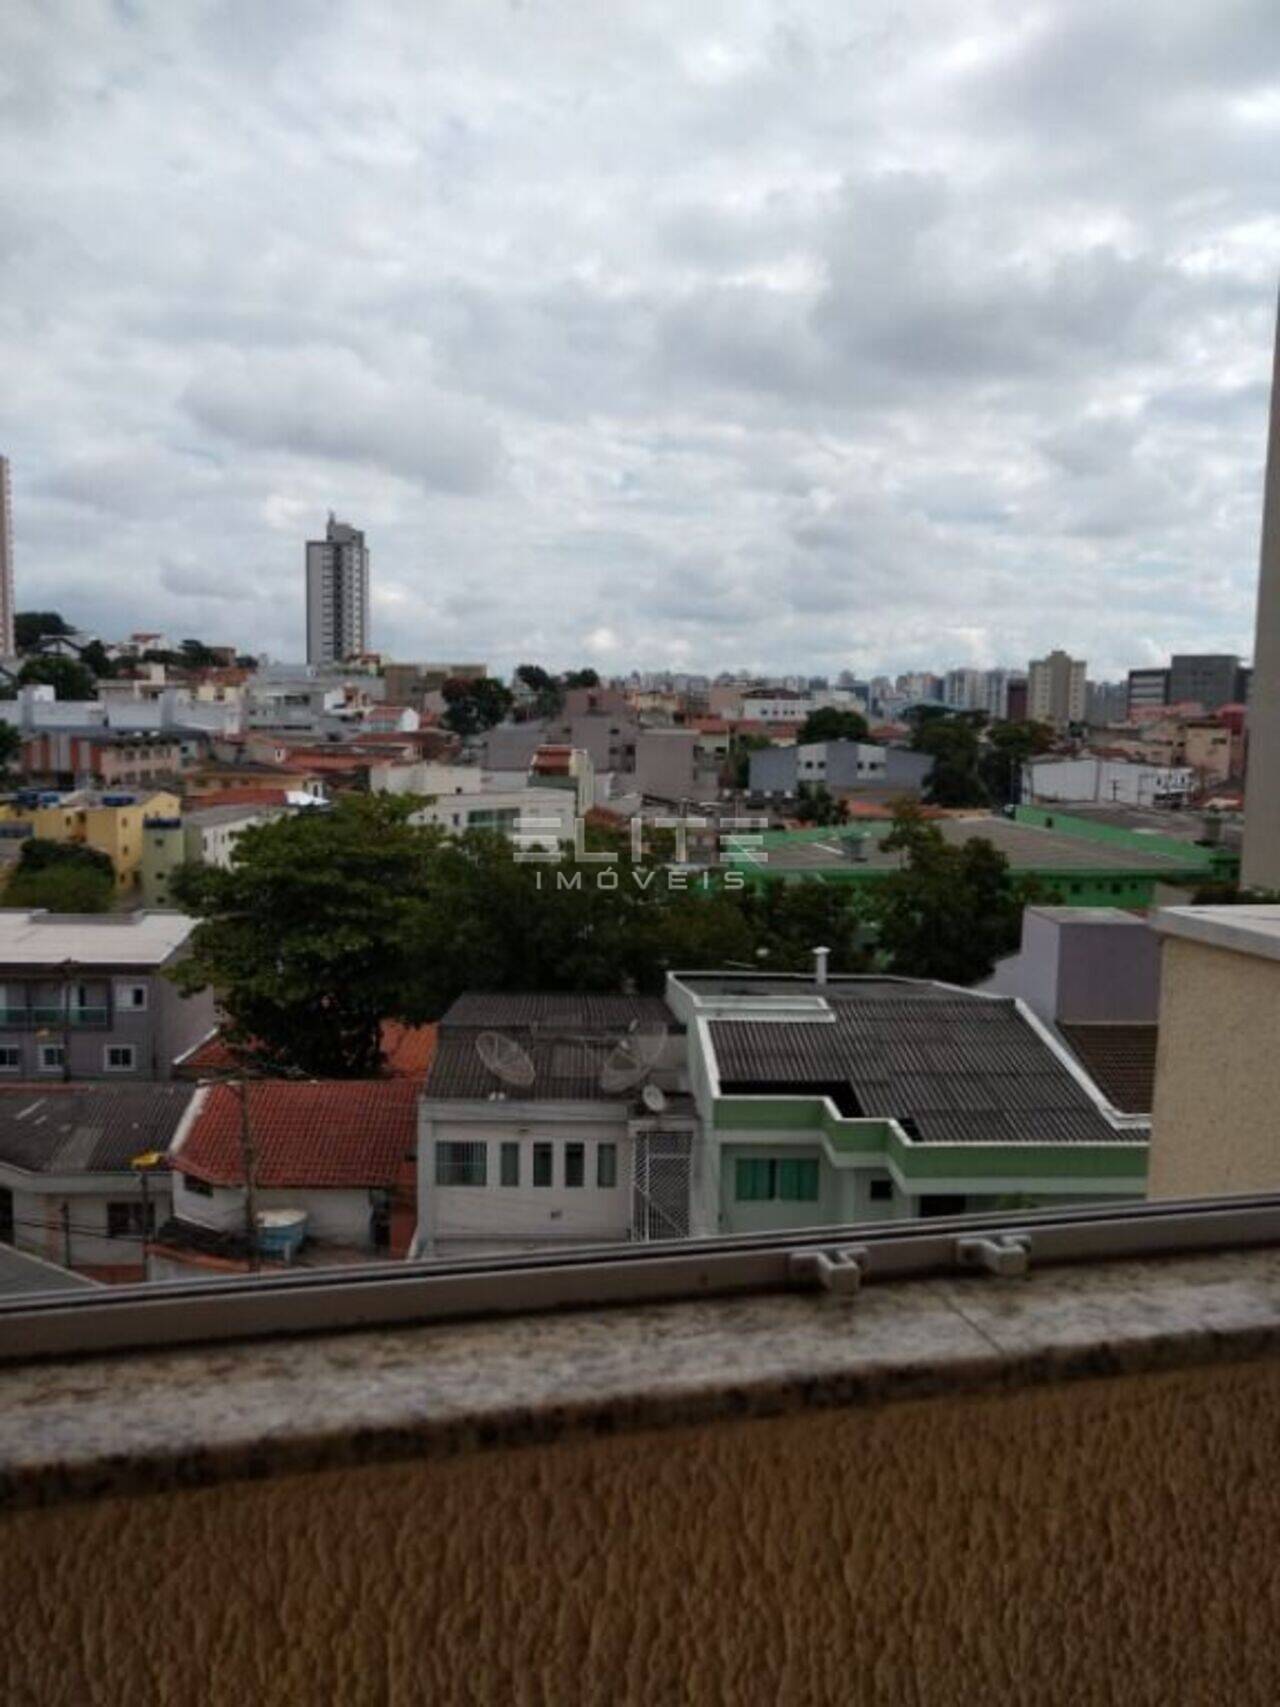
{"type": "Point", "coordinates": [339, 1134]}
{"type": "Point", "coordinates": [240, 797]}
{"type": "Point", "coordinates": [408, 1050]}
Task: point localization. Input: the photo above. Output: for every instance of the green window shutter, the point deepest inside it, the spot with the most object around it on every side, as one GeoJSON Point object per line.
{"type": "Point", "coordinates": [754, 1179]}
{"type": "Point", "coordinates": [798, 1180]}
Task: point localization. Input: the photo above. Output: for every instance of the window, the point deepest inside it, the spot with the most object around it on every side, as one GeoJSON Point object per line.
{"type": "Point", "coordinates": [787, 1179]}
{"type": "Point", "coordinates": [575, 1164]}
{"type": "Point", "coordinates": [461, 1164]}
{"type": "Point", "coordinates": [131, 996]}
{"type": "Point", "coordinates": [509, 1164]}
{"type": "Point", "coordinates": [197, 1187]}
{"type": "Point", "coordinates": [124, 1220]}
{"type": "Point", "coordinates": [881, 1191]}
{"type": "Point", "coordinates": [10, 1058]}
{"type": "Point", "coordinates": [51, 1057]}
{"type": "Point", "coordinates": [542, 1164]}
{"type": "Point", "coordinates": [753, 1180]}
{"type": "Point", "coordinates": [119, 1058]}
{"type": "Point", "coordinates": [606, 1166]}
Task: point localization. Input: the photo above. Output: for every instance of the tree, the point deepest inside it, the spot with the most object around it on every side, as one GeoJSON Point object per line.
{"type": "Point", "coordinates": [830, 723]}
{"type": "Point", "coordinates": [952, 742]}
{"type": "Point", "coordinates": [738, 763]}
{"type": "Point", "coordinates": [547, 691]}
{"type": "Point", "coordinates": [31, 626]}
{"type": "Point", "coordinates": [94, 657]}
{"type": "Point", "coordinates": [65, 877]}
{"type": "Point", "coordinates": [474, 705]}
{"type": "Point", "coordinates": [195, 655]}
{"type": "Point", "coordinates": [817, 805]}
{"type": "Point", "coordinates": [1008, 749]}
{"type": "Point", "coordinates": [68, 678]}
{"type": "Point", "coordinates": [789, 920]}
{"type": "Point", "coordinates": [952, 911]}
{"type": "Point", "coordinates": [10, 748]}
{"type": "Point", "coordinates": [315, 934]}
{"type": "Point", "coordinates": [587, 678]}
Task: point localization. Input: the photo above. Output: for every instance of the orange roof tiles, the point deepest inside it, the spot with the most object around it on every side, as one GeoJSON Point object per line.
{"type": "Point", "coordinates": [408, 1050]}
{"type": "Point", "coordinates": [334, 1133]}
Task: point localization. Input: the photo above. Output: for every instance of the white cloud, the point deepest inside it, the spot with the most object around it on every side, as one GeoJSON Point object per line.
{"type": "Point", "coordinates": [784, 335]}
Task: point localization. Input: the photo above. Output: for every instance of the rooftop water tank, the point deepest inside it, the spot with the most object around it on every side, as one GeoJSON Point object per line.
{"type": "Point", "coordinates": [281, 1232]}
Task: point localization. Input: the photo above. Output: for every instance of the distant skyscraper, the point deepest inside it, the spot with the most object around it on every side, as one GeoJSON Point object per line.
{"type": "Point", "coordinates": [1056, 690]}
{"type": "Point", "coordinates": [1260, 863]}
{"type": "Point", "coordinates": [337, 594]}
{"type": "Point", "coordinates": [7, 647]}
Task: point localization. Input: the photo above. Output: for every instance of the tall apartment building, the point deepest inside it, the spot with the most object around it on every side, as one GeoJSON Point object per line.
{"type": "Point", "coordinates": [7, 646]}
{"type": "Point", "coordinates": [337, 594]}
{"type": "Point", "coordinates": [965, 690]}
{"type": "Point", "coordinates": [1056, 690]}
{"type": "Point", "coordinates": [1211, 678]}
{"type": "Point", "coordinates": [1148, 691]}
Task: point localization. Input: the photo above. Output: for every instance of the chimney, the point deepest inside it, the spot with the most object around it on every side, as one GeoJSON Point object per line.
{"type": "Point", "coordinates": [820, 965]}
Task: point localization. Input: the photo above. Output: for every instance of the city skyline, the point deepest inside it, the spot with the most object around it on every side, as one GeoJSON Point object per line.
{"type": "Point", "coordinates": [735, 336]}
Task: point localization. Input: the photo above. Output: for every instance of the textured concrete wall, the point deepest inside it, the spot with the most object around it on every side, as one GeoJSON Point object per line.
{"type": "Point", "coordinates": [1108, 1540]}
{"type": "Point", "coordinates": [1216, 1126]}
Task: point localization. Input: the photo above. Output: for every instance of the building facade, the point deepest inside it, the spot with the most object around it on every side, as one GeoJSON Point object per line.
{"type": "Point", "coordinates": [337, 594]}
{"type": "Point", "coordinates": [1148, 692]}
{"type": "Point", "coordinates": [1209, 679]}
{"type": "Point", "coordinates": [1056, 690]}
{"type": "Point", "coordinates": [7, 644]}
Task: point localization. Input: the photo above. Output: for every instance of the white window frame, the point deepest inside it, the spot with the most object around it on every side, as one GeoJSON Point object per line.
{"type": "Point", "coordinates": [108, 1066]}
{"type": "Point", "coordinates": [124, 998]}
{"type": "Point", "coordinates": [46, 1066]}
{"type": "Point", "coordinates": [14, 1066]}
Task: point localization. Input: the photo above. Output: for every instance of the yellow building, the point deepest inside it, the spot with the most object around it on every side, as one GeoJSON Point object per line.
{"type": "Point", "coordinates": [112, 829]}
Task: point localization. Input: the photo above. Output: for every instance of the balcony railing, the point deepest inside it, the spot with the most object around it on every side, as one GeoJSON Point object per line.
{"type": "Point", "coordinates": [79, 1018]}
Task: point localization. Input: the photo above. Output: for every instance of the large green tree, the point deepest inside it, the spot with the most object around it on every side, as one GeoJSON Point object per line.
{"type": "Point", "coordinates": [474, 705]}
{"type": "Point", "coordinates": [953, 742]}
{"type": "Point", "coordinates": [1008, 748]}
{"type": "Point", "coordinates": [65, 877]}
{"type": "Point", "coordinates": [313, 936]}
{"type": "Point", "coordinates": [831, 723]}
{"type": "Point", "coordinates": [31, 626]}
{"type": "Point", "coordinates": [68, 677]}
{"type": "Point", "coordinates": [952, 910]}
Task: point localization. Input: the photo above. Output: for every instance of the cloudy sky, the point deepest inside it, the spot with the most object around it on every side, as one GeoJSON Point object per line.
{"type": "Point", "coordinates": [693, 333]}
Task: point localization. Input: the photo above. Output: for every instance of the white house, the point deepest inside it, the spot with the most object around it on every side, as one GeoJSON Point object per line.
{"type": "Point", "coordinates": [1121, 782]}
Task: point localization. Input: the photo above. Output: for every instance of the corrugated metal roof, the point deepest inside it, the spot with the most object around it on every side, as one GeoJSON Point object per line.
{"type": "Point", "coordinates": [93, 1129]}
{"type": "Point", "coordinates": [1121, 1059]}
{"type": "Point", "coordinates": [565, 1010]}
{"type": "Point", "coordinates": [964, 1069]}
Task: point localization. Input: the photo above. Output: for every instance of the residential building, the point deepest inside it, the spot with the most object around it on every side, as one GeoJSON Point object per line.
{"type": "Point", "coordinates": [86, 996]}
{"type": "Point", "coordinates": [94, 758]}
{"type": "Point", "coordinates": [337, 594]}
{"type": "Point", "coordinates": [828, 1100]}
{"type": "Point", "coordinates": [839, 766]}
{"type": "Point", "coordinates": [1214, 1124]}
{"type": "Point", "coordinates": [965, 690]}
{"type": "Point", "coordinates": [1056, 690]}
{"type": "Point", "coordinates": [69, 1190]}
{"type": "Point", "coordinates": [1106, 703]}
{"type": "Point", "coordinates": [996, 688]}
{"type": "Point", "coordinates": [1148, 690]}
{"type": "Point", "coordinates": [537, 1129]}
{"type": "Point", "coordinates": [538, 819]}
{"type": "Point", "coordinates": [1261, 863]}
{"type": "Point", "coordinates": [1207, 679]}
{"type": "Point", "coordinates": [111, 824]}
{"type": "Point", "coordinates": [8, 648]}
{"type": "Point", "coordinates": [202, 836]}
{"type": "Point", "coordinates": [1015, 705]}
{"type": "Point", "coordinates": [1210, 750]}
{"type": "Point", "coordinates": [666, 765]}
{"type": "Point", "coordinates": [334, 1175]}
{"type": "Point", "coordinates": [776, 705]}
{"type": "Point", "coordinates": [1118, 782]}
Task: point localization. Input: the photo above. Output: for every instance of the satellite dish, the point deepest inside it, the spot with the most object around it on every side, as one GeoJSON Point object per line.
{"type": "Point", "coordinates": [623, 1067]}
{"type": "Point", "coordinates": [653, 1099]}
{"type": "Point", "coordinates": [648, 1042]}
{"type": "Point", "coordinates": [505, 1059]}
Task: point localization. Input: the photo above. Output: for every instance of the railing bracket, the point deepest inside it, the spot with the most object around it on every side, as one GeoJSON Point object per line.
{"type": "Point", "coordinates": [838, 1269]}
{"type": "Point", "coordinates": [1004, 1254]}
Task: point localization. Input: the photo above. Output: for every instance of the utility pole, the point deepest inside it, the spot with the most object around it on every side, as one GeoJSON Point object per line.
{"type": "Point", "coordinates": [250, 1163]}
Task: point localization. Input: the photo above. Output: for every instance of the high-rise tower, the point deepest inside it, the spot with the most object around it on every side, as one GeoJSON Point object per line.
{"type": "Point", "coordinates": [7, 647]}
{"type": "Point", "coordinates": [1260, 863]}
{"type": "Point", "coordinates": [337, 594]}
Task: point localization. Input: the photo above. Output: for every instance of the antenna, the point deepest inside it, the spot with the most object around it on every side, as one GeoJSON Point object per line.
{"type": "Point", "coordinates": [623, 1067]}
{"type": "Point", "coordinates": [654, 1098]}
{"type": "Point", "coordinates": [505, 1059]}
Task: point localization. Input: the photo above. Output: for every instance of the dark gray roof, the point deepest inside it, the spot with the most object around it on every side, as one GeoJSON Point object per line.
{"type": "Point", "coordinates": [962, 1068]}
{"type": "Point", "coordinates": [87, 1129]}
{"type": "Point", "coordinates": [565, 1010]}
{"type": "Point", "coordinates": [1120, 1059]}
{"type": "Point", "coordinates": [567, 1036]}
{"type": "Point", "coordinates": [22, 1274]}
